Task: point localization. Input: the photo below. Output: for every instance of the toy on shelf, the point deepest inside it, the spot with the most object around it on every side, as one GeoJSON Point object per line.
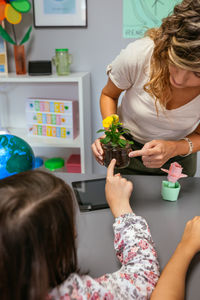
{"type": "Point", "coordinates": [38, 162]}
{"type": "Point", "coordinates": [52, 118]}
{"type": "Point", "coordinates": [73, 164]}
{"type": "Point", "coordinates": [16, 155]}
{"type": "Point", "coordinates": [54, 164]}
{"type": "Point", "coordinates": [171, 188]}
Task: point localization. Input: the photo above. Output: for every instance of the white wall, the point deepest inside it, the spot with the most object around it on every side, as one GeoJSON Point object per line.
{"type": "Point", "coordinates": [92, 48]}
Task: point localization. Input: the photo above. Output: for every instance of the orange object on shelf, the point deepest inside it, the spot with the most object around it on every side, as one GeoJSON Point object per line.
{"type": "Point", "coordinates": [20, 60]}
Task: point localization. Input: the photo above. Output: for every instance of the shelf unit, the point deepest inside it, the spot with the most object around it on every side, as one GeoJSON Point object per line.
{"type": "Point", "coordinates": [15, 89]}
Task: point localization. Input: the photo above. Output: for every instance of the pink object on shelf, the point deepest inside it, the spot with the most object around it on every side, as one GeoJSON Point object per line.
{"type": "Point", "coordinates": [174, 172]}
{"type": "Point", "coordinates": [73, 164]}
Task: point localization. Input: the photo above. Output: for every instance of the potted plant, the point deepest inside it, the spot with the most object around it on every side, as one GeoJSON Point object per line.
{"type": "Point", "coordinates": [171, 188]}
{"type": "Point", "coordinates": [113, 143]}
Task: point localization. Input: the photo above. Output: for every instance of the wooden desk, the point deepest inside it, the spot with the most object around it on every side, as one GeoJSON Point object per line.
{"type": "Point", "coordinates": [166, 220]}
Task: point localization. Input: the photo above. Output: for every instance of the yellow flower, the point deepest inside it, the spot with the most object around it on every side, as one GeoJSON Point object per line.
{"type": "Point", "coordinates": [113, 119]}
{"type": "Point", "coordinates": [107, 122]}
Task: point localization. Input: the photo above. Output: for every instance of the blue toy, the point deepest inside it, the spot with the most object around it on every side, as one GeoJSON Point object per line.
{"type": "Point", "coordinates": [38, 162]}
{"type": "Point", "coordinates": [16, 155]}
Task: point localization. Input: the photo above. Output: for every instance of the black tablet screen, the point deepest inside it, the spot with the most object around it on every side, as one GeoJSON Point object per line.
{"type": "Point", "coordinates": [90, 194]}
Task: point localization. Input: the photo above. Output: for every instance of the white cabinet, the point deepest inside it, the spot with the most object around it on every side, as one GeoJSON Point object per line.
{"type": "Point", "coordinates": [15, 89]}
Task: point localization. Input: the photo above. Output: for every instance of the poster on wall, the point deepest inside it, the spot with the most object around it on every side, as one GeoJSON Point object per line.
{"type": "Point", "coordinates": [3, 56]}
{"type": "Point", "coordinates": [139, 15]}
{"type": "Point", "coordinates": [60, 13]}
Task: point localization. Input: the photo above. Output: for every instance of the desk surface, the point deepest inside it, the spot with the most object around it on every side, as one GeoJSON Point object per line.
{"type": "Point", "coordinates": [166, 221]}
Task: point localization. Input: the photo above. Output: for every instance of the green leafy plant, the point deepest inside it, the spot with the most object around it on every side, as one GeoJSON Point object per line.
{"type": "Point", "coordinates": [113, 132]}
{"type": "Point", "coordinates": [8, 38]}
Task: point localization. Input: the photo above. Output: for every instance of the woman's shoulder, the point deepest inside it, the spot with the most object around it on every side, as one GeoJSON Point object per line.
{"type": "Point", "coordinates": [127, 66]}
{"type": "Point", "coordinates": [137, 53]}
{"type": "Point", "coordinates": [141, 46]}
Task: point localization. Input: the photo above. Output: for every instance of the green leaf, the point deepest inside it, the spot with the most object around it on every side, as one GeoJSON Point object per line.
{"type": "Point", "coordinates": [108, 133]}
{"type": "Point", "coordinates": [123, 142]}
{"type": "Point", "coordinates": [6, 36]}
{"type": "Point", "coordinates": [118, 134]}
{"type": "Point", "coordinates": [106, 140]}
{"type": "Point", "coordinates": [100, 130]}
{"type": "Point", "coordinates": [27, 36]}
{"type": "Point", "coordinates": [121, 145]}
{"type": "Point", "coordinates": [130, 142]}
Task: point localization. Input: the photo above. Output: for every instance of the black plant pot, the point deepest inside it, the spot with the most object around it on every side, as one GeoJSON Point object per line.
{"type": "Point", "coordinates": [120, 154]}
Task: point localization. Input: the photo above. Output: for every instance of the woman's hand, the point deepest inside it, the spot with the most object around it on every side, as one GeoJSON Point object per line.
{"type": "Point", "coordinates": [118, 191]}
{"type": "Point", "coordinates": [156, 153]}
{"type": "Point", "coordinates": [97, 150]}
{"type": "Point", "coordinates": [191, 236]}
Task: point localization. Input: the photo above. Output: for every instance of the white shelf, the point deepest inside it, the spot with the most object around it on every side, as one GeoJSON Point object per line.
{"type": "Point", "coordinates": [35, 141]}
{"type": "Point", "coordinates": [15, 89]}
{"type": "Point", "coordinates": [12, 78]}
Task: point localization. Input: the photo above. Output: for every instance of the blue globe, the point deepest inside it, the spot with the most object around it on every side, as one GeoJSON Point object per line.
{"type": "Point", "coordinates": [16, 155]}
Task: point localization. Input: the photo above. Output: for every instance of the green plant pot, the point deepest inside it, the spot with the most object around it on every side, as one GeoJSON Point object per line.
{"type": "Point", "coordinates": [169, 192]}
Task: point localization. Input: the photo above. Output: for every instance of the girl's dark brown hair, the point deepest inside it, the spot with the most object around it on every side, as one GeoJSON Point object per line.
{"type": "Point", "coordinates": [176, 41]}
{"type": "Point", "coordinates": [37, 242]}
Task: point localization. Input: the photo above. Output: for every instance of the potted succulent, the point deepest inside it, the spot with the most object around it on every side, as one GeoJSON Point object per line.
{"type": "Point", "coordinates": [171, 188]}
{"type": "Point", "coordinates": [113, 143]}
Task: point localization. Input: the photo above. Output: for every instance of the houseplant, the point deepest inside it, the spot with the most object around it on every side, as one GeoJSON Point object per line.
{"type": "Point", "coordinates": [113, 143]}
{"type": "Point", "coordinates": [11, 11]}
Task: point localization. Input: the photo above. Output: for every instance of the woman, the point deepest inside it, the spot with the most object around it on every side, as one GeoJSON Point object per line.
{"type": "Point", "coordinates": [160, 75]}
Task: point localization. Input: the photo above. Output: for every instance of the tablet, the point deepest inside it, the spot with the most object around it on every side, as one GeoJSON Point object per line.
{"type": "Point", "coordinates": [90, 194]}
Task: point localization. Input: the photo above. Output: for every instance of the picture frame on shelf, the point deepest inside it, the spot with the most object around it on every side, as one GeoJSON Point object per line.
{"type": "Point", "coordinates": [65, 13]}
{"type": "Point", "coordinates": [3, 55]}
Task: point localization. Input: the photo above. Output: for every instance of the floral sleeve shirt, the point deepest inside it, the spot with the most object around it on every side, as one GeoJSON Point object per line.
{"type": "Point", "coordinates": [135, 279]}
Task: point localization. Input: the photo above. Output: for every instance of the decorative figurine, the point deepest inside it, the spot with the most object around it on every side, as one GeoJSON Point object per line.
{"type": "Point", "coordinates": [171, 188]}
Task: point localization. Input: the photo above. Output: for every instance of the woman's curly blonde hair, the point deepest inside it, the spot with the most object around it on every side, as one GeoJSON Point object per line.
{"type": "Point", "coordinates": [177, 41]}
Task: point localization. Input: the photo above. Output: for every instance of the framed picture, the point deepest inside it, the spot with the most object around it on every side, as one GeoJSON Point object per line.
{"type": "Point", "coordinates": [3, 55]}
{"type": "Point", "coordinates": [60, 13]}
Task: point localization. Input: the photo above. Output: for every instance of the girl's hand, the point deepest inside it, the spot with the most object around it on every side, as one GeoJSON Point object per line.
{"type": "Point", "coordinates": [118, 191]}
{"type": "Point", "coordinates": [191, 236]}
{"type": "Point", "coordinates": [97, 150]}
{"type": "Point", "coordinates": [156, 153]}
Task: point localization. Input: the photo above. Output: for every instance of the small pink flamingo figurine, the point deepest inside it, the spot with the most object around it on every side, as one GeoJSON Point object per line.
{"type": "Point", "coordinates": [174, 172]}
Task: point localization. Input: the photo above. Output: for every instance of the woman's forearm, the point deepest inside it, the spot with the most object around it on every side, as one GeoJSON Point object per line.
{"type": "Point", "coordinates": [182, 146]}
{"type": "Point", "coordinates": [108, 105]}
{"type": "Point", "coordinates": [171, 285]}
{"type": "Point", "coordinates": [109, 99]}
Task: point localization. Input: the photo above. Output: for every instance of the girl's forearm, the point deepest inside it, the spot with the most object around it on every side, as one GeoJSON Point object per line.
{"type": "Point", "coordinates": [171, 285]}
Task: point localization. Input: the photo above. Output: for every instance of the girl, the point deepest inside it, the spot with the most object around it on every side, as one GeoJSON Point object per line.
{"type": "Point", "coordinates": [38, 258]}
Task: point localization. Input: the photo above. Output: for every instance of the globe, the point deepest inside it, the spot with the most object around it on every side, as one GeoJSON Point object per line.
{"type": "Point", "coordinates": [16, 155]}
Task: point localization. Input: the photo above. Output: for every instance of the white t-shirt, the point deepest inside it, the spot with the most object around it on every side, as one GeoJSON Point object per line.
{"type": "Point", "coordinates": [130, 71]}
